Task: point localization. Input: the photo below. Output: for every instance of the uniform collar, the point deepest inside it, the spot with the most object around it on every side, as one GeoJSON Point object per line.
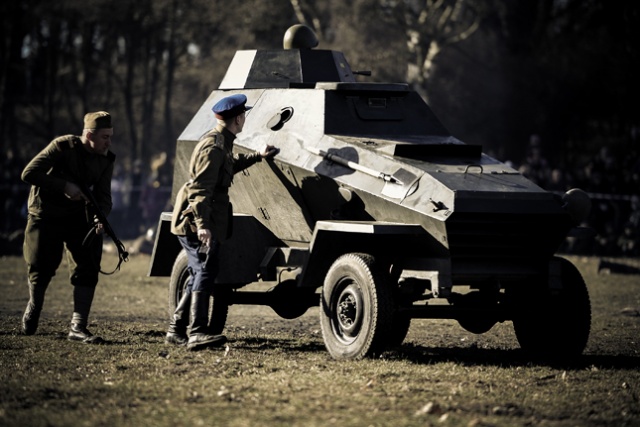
{"type": "Point", "coordinates": [228, 135]}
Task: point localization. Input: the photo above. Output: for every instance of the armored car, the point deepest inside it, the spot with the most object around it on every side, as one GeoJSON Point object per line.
{"type": "Point", "coordinates": [376, 214]}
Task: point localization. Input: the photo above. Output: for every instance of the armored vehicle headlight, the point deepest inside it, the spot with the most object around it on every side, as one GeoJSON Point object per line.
{"type": "Point", "coordinates": [577, 203]}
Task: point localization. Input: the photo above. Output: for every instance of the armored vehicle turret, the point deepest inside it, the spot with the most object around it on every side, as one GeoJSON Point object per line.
{"type": "Point", "coordinates": [376, 214]}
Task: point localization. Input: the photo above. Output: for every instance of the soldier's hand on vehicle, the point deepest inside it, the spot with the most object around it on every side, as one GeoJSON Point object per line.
{"type": "Point", "coordinates": [268, 151]}
{"type": "Point", "coordinates": [73, 192]}
{"type": "Point", "coordinates": [204, 235]}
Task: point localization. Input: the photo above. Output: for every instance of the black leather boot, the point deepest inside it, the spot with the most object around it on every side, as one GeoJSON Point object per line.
{"type": "Point", "coordinates": [199, 337]}
{"type": "Point", "coordinates": [177, 331]}
{"type": "Point", "coordinates": [79, 332]}
{"type": "Point", "coordinates": [82, 299]}
{"type": "Point", "coordinates": [34, 307]}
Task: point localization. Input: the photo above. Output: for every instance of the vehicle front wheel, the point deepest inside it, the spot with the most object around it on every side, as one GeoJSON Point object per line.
{"type": "Point", "coordinates": [554, 322]}
{"type": "Point", "coordinates": [356, 308]}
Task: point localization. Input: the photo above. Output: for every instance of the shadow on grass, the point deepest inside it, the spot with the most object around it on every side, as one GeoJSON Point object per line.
{"type": "Point", "coordinates": [281, 344]}
{"type": "Point", "coordinates": [508, 358]}
{"type": "Point", "coordinates": [466, 356]}
{"type": "Point", "coordinates": [119, 334]}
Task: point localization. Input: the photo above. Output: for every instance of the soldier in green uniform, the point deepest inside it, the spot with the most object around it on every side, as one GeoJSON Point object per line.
{"type": "Point", "coordinates": [201, 218]}
{"type": "Point", "coordinates": [59, 219]}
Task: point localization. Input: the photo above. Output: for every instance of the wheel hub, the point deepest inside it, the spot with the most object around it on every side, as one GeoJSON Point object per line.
{"type": "Point", "coordinates": [349, 312]}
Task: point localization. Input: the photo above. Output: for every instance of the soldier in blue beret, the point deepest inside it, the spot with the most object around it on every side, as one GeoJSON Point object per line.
{"type": "Point", "coordinates": [230, 107]}
{"type": "Point", "coordinates": [201, 217]}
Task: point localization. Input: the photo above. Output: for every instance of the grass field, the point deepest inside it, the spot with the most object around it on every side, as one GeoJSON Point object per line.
{"type": "Point", "coordinates": [276, 372]}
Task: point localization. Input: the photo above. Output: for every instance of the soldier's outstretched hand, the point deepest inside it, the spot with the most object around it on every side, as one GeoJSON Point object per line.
{"type": "Point", "coordinates": [268, 151]}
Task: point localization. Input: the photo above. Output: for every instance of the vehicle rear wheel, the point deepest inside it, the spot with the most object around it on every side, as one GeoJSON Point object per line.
{"type": "Point", "coordinates": [178, 283]}
{"type": "Point", "coordinates": [477, 325]}
{"type": "Point", "coordinates": [356, 308]}
{"type": "Point", "coordinates": [481, 305]}
{"type": "Point", "coordinates": [289, 301]}
{"type": "Point", "coordinates": [555, 322]}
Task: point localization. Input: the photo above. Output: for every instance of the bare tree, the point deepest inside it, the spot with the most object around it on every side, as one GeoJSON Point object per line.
{"type": "Point", "coordinates": [306, 14]}
{"type": "Point", "coordinates": [430, 26]}
{"type": "Point", "coordinates": [13, 30]}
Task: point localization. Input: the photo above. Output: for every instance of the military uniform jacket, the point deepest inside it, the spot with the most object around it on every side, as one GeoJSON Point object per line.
{"type": "Point", "coordinates": [203, 201]}
{"type": "Point", "coordinates": [66, 159]}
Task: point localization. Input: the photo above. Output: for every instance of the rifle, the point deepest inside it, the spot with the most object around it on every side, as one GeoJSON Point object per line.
{"type": "Point", "coordinates": [101, 218]}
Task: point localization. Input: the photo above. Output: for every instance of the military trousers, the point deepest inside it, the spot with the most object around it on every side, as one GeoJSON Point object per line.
{"type": "Point", "coordinates": [203, 262]}
{"type": "Point", "coordinates": [45, 241]}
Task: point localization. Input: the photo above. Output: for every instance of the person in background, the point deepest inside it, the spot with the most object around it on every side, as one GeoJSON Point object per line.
{"type": "Point", "coordinates": [59, 219]}
{"type": "Point", "coordinates": [201, 218]}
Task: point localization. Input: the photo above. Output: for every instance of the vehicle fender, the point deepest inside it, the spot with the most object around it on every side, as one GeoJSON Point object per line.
{"type": "Point", "coordinates": [165, 248]}
{"type": "Point", "coordinates": [381, 239]}
{"type": "Point", "coordinates": [240, 255]}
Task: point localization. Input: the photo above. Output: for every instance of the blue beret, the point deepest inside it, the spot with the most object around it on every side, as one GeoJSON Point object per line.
{"type": "Point", "coordinates": [230, 106]}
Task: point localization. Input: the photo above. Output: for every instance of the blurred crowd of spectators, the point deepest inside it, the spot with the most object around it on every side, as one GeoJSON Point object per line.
{"type": "Point", "coordinates": [613, 184]}
{"type": "Point", "coordinates": [141, 191]}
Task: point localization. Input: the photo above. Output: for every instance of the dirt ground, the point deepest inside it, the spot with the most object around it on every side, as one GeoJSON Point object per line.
{"type": "Point", "coordinates": [277, 372]}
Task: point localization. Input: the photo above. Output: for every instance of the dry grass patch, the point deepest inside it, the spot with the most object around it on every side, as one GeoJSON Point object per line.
{"type": "Point", "coordinates": [276, 372]}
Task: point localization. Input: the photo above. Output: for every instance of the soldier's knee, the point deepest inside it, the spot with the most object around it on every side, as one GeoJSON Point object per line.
{"type": "Point", "coordinates": [84, 280]}
{"type": "Point", "coordinates": [39, 279]}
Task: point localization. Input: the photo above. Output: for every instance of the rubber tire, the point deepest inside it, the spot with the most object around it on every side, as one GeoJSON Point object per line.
{"type": "Point", "coordinates": [289, 301]}
{"type": "Point", "coordinates": [219, 306]}
{"type": "Point", "coordinates": [481, 323]}
{"type": "Point", "coordinates": [355, 280]}
{"type": "Point", "coordinates": [555, 324]}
